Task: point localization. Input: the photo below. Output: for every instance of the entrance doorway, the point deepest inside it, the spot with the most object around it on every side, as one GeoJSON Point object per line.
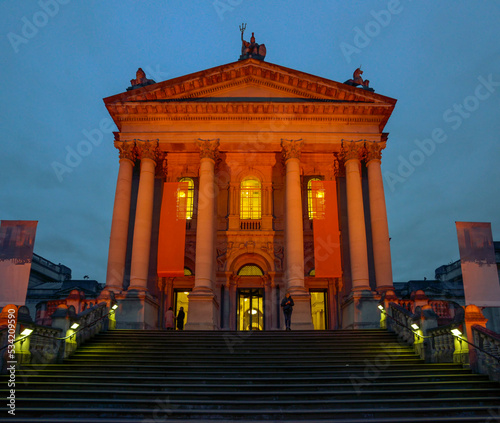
{"type": "Point", "coordinates": [318, 309]}
{"type": "Point", "coordinates": [181, 300]}
{"type": "Point", "coordinates": [250, 313]}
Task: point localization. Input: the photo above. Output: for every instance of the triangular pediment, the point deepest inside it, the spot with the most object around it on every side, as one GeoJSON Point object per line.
{"type": "Point", "coordinates": [250, 79]}
{"type": "Point", "coordinates": [249, 88]}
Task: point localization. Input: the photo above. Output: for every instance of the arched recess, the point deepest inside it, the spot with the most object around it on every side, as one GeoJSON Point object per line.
{"type": "Point", "coordinates": [261, 259]}
{"type": "Point", "coordinates": [250, 173]}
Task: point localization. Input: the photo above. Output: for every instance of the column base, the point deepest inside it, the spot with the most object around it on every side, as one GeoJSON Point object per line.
{"type": "Point", "coordinates": [359, 310]}
{"type": "Point", "coordinates": [385, 288]}
{"type": "Point", "coordinates": [203, 311]}
{"type": "Point", "coordinates": [136, 310]}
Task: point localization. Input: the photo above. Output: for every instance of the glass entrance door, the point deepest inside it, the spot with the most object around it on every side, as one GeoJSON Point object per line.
{"type": "Point", "coordinates": [250, 309]}
{"type": "Point", "coordinates": [318, 309]}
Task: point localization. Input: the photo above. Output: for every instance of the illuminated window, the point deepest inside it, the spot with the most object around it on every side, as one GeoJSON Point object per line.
{"type": "Point", "coordinates": [187, 271]}
{"type": "Point", "coordinates": [311, 202]}
{"type": "Point", "coordinates": [250, 199]}
{"type": "Point", "coordinates": [312, 272]}
{"type": "Point", "coordinates": [250, 270]}
{"type": "Point", "coordinates": [190, 197]}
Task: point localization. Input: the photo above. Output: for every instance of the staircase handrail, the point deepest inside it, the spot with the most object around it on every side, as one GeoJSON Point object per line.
{"type": "Point", "coordinates": [483, 334]}
{"type": "Point", "coordinates": [80, 315]}
{"type": "Point", "coordinates": [405, 334]}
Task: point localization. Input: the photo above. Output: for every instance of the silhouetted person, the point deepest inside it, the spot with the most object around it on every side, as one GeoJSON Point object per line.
{"type": "Point", "coordinates": [287, 304]}
{"type": "Point", "coordinates": [169, 319]}
{"type": "Point", "coordinates": [180, 319]}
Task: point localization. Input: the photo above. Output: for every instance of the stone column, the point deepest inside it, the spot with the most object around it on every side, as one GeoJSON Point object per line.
{"type": "Point", "coordinates": [378, 214]}
{"type": "Point", "coordinates": [203, 306]}
{"type": "Point", "coordinates": [120, 222]}
{"type": "Point", "coordinates": [359, 310]}
{"type": "Point", "coordinates": [294, 236]}
{"type": "Point", "coordinates": [147, 151]}
{"type": "Point", "coordinates": [356, 216]}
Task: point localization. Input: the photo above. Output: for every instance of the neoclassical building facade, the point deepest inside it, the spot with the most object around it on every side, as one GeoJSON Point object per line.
{"type": "Point", "coordinates": [248, 139]}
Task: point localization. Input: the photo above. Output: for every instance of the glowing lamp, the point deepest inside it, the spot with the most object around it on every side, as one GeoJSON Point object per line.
{"type": "Point", "coordinates": [380, 307]}
{"type": "Point", "coordinates": [456, 332]}
{"type": "Point", "coordinates": [254, 311]}
{"type": "Point", "coordinates": [26, 332]}
{"type": "Point", "coordinates": [75, 325]}
{"type": "Point", "coordinates": [414, 326]}
{"type": "Point", "coordinates": [114, 307]}
{"type": "Point", "coordinates": [187, 293]}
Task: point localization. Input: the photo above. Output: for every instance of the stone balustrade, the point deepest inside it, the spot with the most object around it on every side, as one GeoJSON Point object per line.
{"type": "Point", "coordinates": [487, 341]}
{"type": "Point", "coordinates": [51, 344]}
{"type": "Point", "coordinates": [473, 345]}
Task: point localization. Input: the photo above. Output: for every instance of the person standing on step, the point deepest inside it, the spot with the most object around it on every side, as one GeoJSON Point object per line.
{"type": "Point", "coordinates": [169, 319]}
{"type": "Point", "coordinates": [287, 304]}
{"type": "Point", "coordinates": [180, 319]}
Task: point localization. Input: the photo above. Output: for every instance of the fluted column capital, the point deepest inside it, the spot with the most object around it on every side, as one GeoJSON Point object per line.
{"type": "Point", "coordinates": [147, 149]}
{"type": "Point", "coordinates": [353, 150]}
{"type": "Point", "coordinates": [126, 150]}
{"type": "Point", "coordinates": [374, 150]}
{"type": "Point", "coordinates": [292, 149]}
{"type": "Point", "coordinates": [209, 149]}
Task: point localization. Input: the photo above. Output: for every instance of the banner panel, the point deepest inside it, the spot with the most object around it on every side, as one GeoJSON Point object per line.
{"type": "Point", "coordinates": [327, 257]}
{"type": "Point", "coordinates": [17, 239]}
{"type": "Point", "coordinates": [477, 259]}
{"type": "Point", "coordinates": [172, 235]}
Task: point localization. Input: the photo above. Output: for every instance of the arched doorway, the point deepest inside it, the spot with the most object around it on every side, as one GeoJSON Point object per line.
{"type": "Point", "coordinates": [250, 299]}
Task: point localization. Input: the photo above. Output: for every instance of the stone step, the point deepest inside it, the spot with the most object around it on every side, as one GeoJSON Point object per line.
{"type": "Point", "coordinates": [236, 386]}
{"type": "Point", "coordinates": [400, 419]}
{"type": "Point", "coordinates": [151, 370]}
{"type": "Point", "coordinates": [270, 395]}
{"type": "Point", "coordinates": [163, 411]}
{"type": "Point", "coordinates": [263, 405]}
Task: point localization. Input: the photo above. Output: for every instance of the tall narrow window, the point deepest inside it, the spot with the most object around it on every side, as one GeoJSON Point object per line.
{"type": "Point", "coordinates": [190, 197]}
{"type": "Point", "coordinates": [310, 200]}
{"type": "Point", "coordinates": [250, 199]}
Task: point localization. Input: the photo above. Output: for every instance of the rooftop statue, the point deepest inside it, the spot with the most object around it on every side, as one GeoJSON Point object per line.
{"type": "Point", "coordinates": [251, 49]}
{"type": "Point", "coordinates": [358, 80]}
{"type": "Point", "coordinates": [140, 80]}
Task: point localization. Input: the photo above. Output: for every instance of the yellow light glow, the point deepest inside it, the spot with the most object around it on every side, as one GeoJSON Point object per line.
{"type": "Point", "coordinates": [26, 332]}
{"type": "Point", "coordinates": [75, 326]}
{"type": "Point", "coordinates": [321, 194]}
{"type": "Point", "coordinates": [114, 307]}
{"type": "Point", "coordinates": [456, 332]}
{"type": "Point", "coordinates": [380, 307]}
{"type": "Point", "coordinates": [414, 326]}
{"type": "Point", "coordinates": [187, 293]}
{"type": "Point", "coordinates": [182, 194]}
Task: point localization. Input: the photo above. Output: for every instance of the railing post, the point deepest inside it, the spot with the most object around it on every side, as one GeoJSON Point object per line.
{"type": "Point", "coordinates": [426, 320]}
{"type": "Point", "coordinates": [61, 320]}
{"type": "Point", "coordinates": [473, 316]}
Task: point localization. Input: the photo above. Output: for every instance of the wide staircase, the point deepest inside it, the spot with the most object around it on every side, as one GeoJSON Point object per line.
{"type": "Point", "coordinates": [340, 376]}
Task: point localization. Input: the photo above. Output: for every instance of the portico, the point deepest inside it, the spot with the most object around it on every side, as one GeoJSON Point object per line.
{"type": "Point", "coordinates": [249, 137]}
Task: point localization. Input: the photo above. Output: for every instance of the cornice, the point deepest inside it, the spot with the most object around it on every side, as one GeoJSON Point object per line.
{"type": "Point", "coordinates": [222, 77]}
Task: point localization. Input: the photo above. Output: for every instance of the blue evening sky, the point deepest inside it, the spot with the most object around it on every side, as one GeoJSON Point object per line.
{"type": "Point", "coordinates": [441, 60]}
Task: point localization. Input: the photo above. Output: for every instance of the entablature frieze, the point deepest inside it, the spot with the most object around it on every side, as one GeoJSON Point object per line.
{"type": "Point", "coordinates": [254, 111]}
